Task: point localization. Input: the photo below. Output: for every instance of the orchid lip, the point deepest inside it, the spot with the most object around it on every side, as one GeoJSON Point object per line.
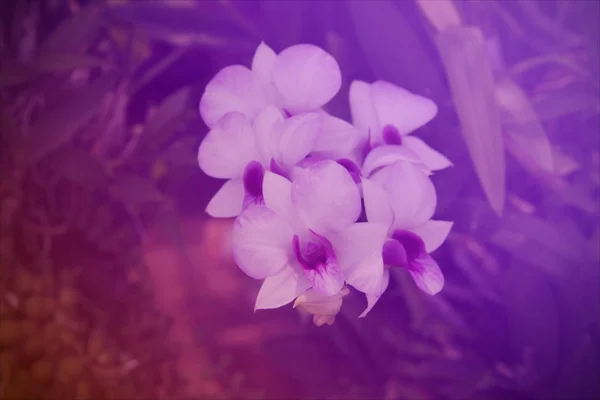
{"type": "Point", "coordinates": [315, 254]}
{"type": "Point", "coordinates": [391, 135]}
{"type": "Point", "coordinates": [253, 178]}
{"type": "Point", "coordinates": [403, 250]}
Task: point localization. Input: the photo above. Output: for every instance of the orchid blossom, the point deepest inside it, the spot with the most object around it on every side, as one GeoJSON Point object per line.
{"type": "Point", "coordinates": [305, 236]}
{"type": "Point", "coordinates": [386, 114]}
{"type": "Point", "coordinates": [237, 150]}
{"type": "Point", "coordinates": [301, 78]}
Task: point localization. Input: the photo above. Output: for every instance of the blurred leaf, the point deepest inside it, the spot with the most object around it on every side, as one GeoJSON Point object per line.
{"type": "Point", "coordinates": [163, 121]}
{"type": "Point", "coordinates": [59, 123]}
{"type": "Point", "coordinates": [469, 73]}
{"type": "Point", "coordinates": [14, 73]}
{"type": "Point", "coordinates": [75, 34]}
{"type": "Point", "coordinates": [182, 153]}
{"type": "Point", "coordinates": [183, 24]}
{"type": "Point", "coordinates": [135, 191]}
{"type": "Point", "coordinates": [534, 320]}
{"type": "Point", "coordinates": [284, 21]}
{"type": "Point", "coordinates": [79, 166]}
{"type": "Point", "coordinates": [393, 49]}
{"type": "Point", "coordinates": [49, 62]}
{"type": "Point", "coordinates": [525, 137]}
{"type": "Point", "coordinates": [565, 101]}
{"type": "Point", "coordinates": [140, 44]}
{"type": "Point", "coordinates": [304, 357]}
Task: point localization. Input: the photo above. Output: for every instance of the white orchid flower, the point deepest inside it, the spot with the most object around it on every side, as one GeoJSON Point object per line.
{"type": "Point", "coordinates": [386, 114]}
{"type": "Point", "coordinates": [305, 236]}
{"type": "Point", "coordinates": [301, 78]}
{"type": "Point", "coordinates": [240, 151]}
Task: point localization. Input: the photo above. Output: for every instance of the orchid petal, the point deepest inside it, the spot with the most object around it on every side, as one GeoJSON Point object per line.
{"type": "Point", "coordinates": [327, 279]}
{"type": "Point", "coordinates": [359, 254]}
{"type": "Point", "coordinates": [410, 192]}
{"type": "Point", "coordinates": [306, 76]}
{"type": "Point", "coordinates": [326, 197]}
{"type": "Point", "coordinates": [261, 242]}
{"type": "Point", "coordinates": [373, 298]}
{"type": "Point", "coordinates": [228, 201]}
{"type": "Point", "coordinates": [427, 274]}
{"type": "Point", "coordinates": [433, 159]}
{"type": "Point", "coordinates": [338, 138]}
{"type": "Point", "coordinates": [364, 116]}
{"type": "Point", "coordinates": [281, 289]}
{"type": "Point", "coordinates": [382, 156]}
{"type": "Point", "coordinates": [228, 147]}
{"type": "Point", "coordinates": [433, 233]}
{"type": "Point", "coordinates": [266, 126]}
{"type": "Point", "coordinates": [399, 107]}
{"type": "Point", "coordinates": [234, 88]}
{"type": "Point", "coordinates": [277, 196]}
{"type": "Point", "coordinates": [263, 62]}
{"type": "Point", "coordinates": [316, 303]}
{"type": "Point", "coordinates": [298, 137]}
{"type": "Point", "coordinates": [377, 205]}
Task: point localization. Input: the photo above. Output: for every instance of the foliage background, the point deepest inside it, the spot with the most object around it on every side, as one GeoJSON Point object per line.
{"type": "Point", "coordinates": [99, 131]}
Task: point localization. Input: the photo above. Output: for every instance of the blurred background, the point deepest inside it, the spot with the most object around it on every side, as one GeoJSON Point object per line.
{"type": "Point", "coordinates": [114, 284]}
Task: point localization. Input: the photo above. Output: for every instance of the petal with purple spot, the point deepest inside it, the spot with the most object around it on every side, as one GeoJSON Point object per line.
{"type": "Point", "coordinates": [427, 274]}
{"type": "Point", "coordinates": [228, 147]}
{"type": "Point", "coordinates": [399, 107]}
{"type": "Point", "coordinates": [433, 233]}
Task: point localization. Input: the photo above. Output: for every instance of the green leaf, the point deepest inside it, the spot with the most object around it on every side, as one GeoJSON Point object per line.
{"type": "Point", "coordinates": [469, 73]}
{"type": "Point", "coordinates": [59, 123]}
{"type": "Point", "coordinates": [566, 101]}
{"type": "Point", "coordinates": [525, 136]}
{"type": "Point", "coordinates": [384, 35]}
{"type": "Point", "coordinates": [51, 62]}
{"type": "Point", "coordinates": [163, 122]}
{"type": "Point", "coordinates": [76, 33]}
{"type": "Point", "coordinates": [184, 24]}
{"type": "Point", "coordinates": [135, 191]}
{"type": "Point", "coordinates": [533, 317]}
{"type": "Point", "coordinates": [77, 165]}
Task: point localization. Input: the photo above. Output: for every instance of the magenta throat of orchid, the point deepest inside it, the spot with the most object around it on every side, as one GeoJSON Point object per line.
{"type": "Point", "coordinates": [253, 179]}
{"type": "Point", "coordinates": [403, 249]}
{"type": "Point", "coordinates": [315, 254]}
{"type": "Point", "coordinates": [391, 135]}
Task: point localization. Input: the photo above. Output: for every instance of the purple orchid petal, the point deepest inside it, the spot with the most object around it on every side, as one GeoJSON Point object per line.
{"type": "Point", "coordinates": [391, 135]}
{"type": "Point", "coordinates": [433, 233]}
{"type": "Point", "coordinates": [399, 107]}
{"type": "Point", "coordinates": [228, 147]}
{"type": "Point", "coordinates": [432, 159]}
{"type": "Point", "coordinates": [351, 167]}
{"type": "Point", "coordinates": [361, 107]}
{"type": "Point", "coordinates": [277, 169]}
{"type": "Point", "coordinates": [317, 258]}
{"type": "Point", "coordinates": [228, 201]}
{"type": "Point", "coordinates": [281, 289]}
{"type": "Point", "coordinates": [338, 138]}
{"type": "Point", "coordinates": [307, 77]}
{"type": "Point", "coordinates": [234, 88]}
{"type": "Point", "coordinates": [394, 254]}
{"type": "Point", "coordinates": [427, 275]}
{"type": "Point", "coordinates": [253, 179]}
{"type": "Point", "coordinates": [412, 243]}
{"type": "Point", "coordinates": [297, 138]}
{"type": "Point", "coordinates": [326, 197]}
{"type": "Point", "coordinates": [261, 242]}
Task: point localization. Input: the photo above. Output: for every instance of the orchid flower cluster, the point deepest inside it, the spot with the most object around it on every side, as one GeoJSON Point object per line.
{"type": "Point", "coordinates": [320, 203]}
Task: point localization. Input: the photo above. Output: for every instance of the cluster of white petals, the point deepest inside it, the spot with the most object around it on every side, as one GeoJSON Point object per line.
{"type": "Point", "coordinates": [320, 203]}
